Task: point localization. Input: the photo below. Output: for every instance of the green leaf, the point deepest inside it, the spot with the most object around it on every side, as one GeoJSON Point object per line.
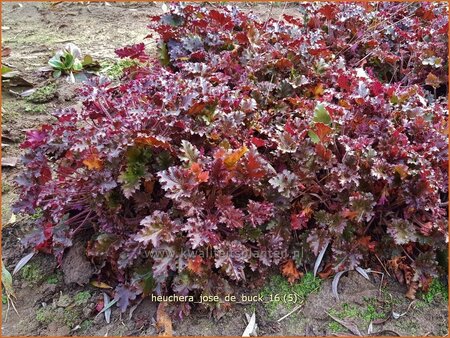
{"type": "Point", "coordinates": [56, 64]}
{"type": "Point", "coordinates": [313, 136]}
{"type": "Point", "coordinates": [88, 60]}
{"type": "Point", "coordinates": [7, 281]}
{"type": "Point", "coordinates": [394, 99]}
{"type": "Point", "coordinates": [68, 61]}
{"type": "Point", "coordinates": [145, 275]}
{"type": "Point", "coordinates": [77, 65]}
{"type": "Point", "coordinates": [164, 54]}
{"type": "Point", "coordinates": [57, 73]}
{"type": "Point", "coordinates": [321, 114]}
{"type": "Point", "coordinates": [6, 69]}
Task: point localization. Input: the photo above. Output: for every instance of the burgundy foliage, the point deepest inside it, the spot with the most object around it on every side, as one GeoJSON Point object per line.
{"type": "Point", "coordinates": [248, 143]}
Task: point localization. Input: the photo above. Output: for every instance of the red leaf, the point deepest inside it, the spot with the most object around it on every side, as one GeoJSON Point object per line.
{"type": "Point", "coordinates": [329, 11]}
{"type": "Point", "coordinates": [289, 128]}
{"type": "Point", "coordinates": [229, 214]}
{"type": "Point", "coordinates": [152, 141]}
{"type": "Point", "coordinates": [322, 130]}
{"type": "Point", "coordinates": [99, 305]}
{"type": "Point", "coordinates": [197, 108]}
{"type": "Point", "coordinates": [136, 51]}
{"type": "Point", "coordinates": [299, 221]}
{"type": "Point", "coordinates": [220, 18]}
{"type": "Point", "coordinates": [283, 64]}
{"type": "Point", "coordinates": [198, 56]}
{"type": "Point", "coordinates": [344, 82]}
{"type": "Point", "coordinates": [323, 152]}
{"type": "Point", "coordinates": [34, 139]}
{"type": "Point", "coordinates": [253, 166]}
{"type": "Point", "coordinates": [195, 265]}
{"type": "Point", "coordinates": [294, 21]}
{"type": "Point", "coordinates": [376, 88]}
{"type": "Point", "coordinates": [259, 212]}
{"type": "Point", "coordinates": [202, 176]}
{"type": "Point", "coordinates": [258, 142]}
{"type": "Point", "coordinates": [242, 38]}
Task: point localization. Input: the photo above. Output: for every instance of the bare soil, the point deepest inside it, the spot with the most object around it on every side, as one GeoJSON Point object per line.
{"type": "Point", "coordinates": [57, 301]}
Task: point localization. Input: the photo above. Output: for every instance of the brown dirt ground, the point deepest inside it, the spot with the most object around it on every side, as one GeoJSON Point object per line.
{"type": "Point", "coordinates": [47, 305]}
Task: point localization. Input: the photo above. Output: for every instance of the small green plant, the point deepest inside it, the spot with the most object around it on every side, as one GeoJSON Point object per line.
{"type": "Point", "coordinates": [335, 327]}
{"type": "Point", "coordinates": [307, 285]}
{"type": "Point", "coordinates": [114, 69]}
{"type": "Point", "coordinates": [42, 94]}
{"type": "Point", "coordinates": [53, 279]}
{"type": "Point", "coordinates": [353, 312]}
{"type": "Point", "coordinates": [37, 214]}
{"type": "Point", "coordinates": [82, 297]}
{"type": "Point", "coordinates": [31, 273]}
{"type": "Point", "coordinates": [371, 313]}
{"type": "Point", "coordinates": [278, 285]}
{"type": "Point", "coordinates": [68, 61]}
{"type": "Point", "coordinates": [347, 311]}
{"type": "Point", "coordinates": [35, 108]}
{"type": "Point", "coordinates": [44, 315]}
{"type": "Point", "coordinates": [437, 289]}
{"type": "Point", "coordinates": [71, 317]}
{"type": "Point", "coordinates": [6, 187]}
{"type": "Point", "coordinates": [85, 325]}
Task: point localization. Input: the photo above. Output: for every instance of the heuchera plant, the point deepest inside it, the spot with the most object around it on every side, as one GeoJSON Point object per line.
{"type": "Point", "coordinates": [249, 145]}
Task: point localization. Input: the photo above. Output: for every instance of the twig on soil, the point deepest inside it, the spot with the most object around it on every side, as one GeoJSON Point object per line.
{"type": "Point", "coordinates": [288, 314]}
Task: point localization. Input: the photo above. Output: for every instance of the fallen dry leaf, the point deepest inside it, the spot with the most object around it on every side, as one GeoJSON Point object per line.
{"type": "Point", "coordinates": [326, 272]}
{"type": "Point", "coordinates": [100, 285]}
{"type": "Point", "coordinates": [412, 289]}
{"type": "Point", "coordinates": [290, 271]}
{"type": "Point", "coordinates": [163, 321]}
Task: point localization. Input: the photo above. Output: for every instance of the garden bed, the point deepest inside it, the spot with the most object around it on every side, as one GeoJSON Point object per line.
{"type": "Point", "coordinates": [47, 304]}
